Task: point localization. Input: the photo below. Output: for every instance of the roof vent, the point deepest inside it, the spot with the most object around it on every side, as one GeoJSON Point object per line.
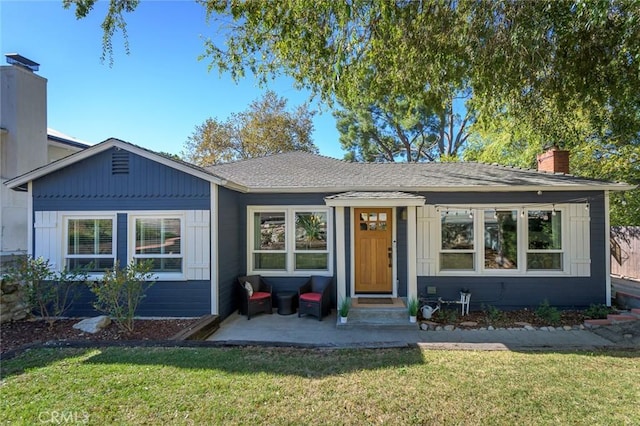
{"type": "Point", "coordinates": [120, 163]}
{"type": "Point", "coordinates": [21, 61]}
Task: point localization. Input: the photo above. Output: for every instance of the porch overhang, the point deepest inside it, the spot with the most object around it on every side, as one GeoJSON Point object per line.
{"type": "Point", "coordinates": [378, 199]}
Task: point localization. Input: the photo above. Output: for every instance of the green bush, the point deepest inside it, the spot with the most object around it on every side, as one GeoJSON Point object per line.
{"type": "Point", "coordinates": [598, 311]}
{"type": "Point", "coordinates": [121, 290]}
{"type": "Point", "coordinates": [47, 292]}
{"type": "Point", "coordinates": [548, 313]}
{"type": "Point", "coordinates": [446, 316]}
{"type": "Point", "coordinates": [492, 313]}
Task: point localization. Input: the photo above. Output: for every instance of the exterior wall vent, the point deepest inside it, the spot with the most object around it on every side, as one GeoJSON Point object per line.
{"type": "Point", "coordinates": [120, 163]}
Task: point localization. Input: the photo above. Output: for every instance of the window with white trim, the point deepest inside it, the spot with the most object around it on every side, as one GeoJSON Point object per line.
{"type": "Point", "coordinates": [503, 240]}
{"type": "Point", "coordinates": [159, 240]}
{"type": "Point", "coordinates": [90, 243]}
{"type": "Point", "coordinates": [457, 251]}
{"type": "Point", "coordinates": [500, 239]}
{"type": "Point", "coordinates": [544, 235]}
{"type": "Point", "coordinates": [289, 239]}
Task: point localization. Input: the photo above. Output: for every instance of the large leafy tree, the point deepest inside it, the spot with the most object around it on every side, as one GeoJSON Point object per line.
{"type": "Point", "coordinates": [393, 130]}
{"type": "Point", "coordinates": [509, 53]}
{"type": "Point", "coordinates": [595, 152]}
{"type": "Point", "coordinates": [266, 127]}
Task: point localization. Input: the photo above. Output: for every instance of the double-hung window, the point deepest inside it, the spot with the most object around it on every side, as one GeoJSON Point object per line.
{"type": "Point", "coordinates": [289, 239]}
{"type": "Point", "coordinates": [159, 240]}
{"type": "Point", "coordinates": [90, 243]}
{"type": "Point", "coordinates": [457, 251]}
{"type": "Point", "coordinates": [544, 234]}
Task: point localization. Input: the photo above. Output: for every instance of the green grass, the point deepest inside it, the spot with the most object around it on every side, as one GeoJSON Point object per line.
{"type": "Point", "coordinates": [285, 386]}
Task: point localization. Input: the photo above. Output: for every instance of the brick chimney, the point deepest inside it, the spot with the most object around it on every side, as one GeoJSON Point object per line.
{"type": "Point", "coordinates": [555, 160]}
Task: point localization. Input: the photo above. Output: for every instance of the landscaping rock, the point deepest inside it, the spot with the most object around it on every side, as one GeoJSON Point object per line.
{"type": "Point", "coordinates": [468, 324]}
{"type": "Point", "coordinates": [424, 326]}
{"type": "Point", "coordinates": [93, 325]}
{"type": "Point", "coordinates": [522, 324]}
{"type": "Point", "coordinates": [449, 327]}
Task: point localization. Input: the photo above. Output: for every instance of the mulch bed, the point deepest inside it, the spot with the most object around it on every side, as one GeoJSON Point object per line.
{"type": "Point", "coordinates": [512, 319]}
{"type": "Point", "coordinates": [18, 333]}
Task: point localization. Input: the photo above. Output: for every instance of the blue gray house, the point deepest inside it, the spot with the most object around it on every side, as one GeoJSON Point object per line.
{"type": "Point", "coordinates": [513, 237]}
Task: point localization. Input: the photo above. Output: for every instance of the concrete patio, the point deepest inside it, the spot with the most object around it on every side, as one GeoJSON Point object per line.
{"type": "Point", "coordinates": [289, 330]}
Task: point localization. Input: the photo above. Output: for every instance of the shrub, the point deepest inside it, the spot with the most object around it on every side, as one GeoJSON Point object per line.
{"type": "Point", "coordinates": [548, 313]}
{"type": "Point", "coordinates": [121, 290]}
{"type": "Point", "coordinates": [492, 313]}
{"type": "Point", "coordinates": [598, 311]}
{"type": "Point", "coordinates": [446, 316]}
{"type": "Point", "coordinates": [48, 293]}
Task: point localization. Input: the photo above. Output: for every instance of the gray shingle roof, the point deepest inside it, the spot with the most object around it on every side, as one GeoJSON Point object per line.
{"type": "Point", "coordinates": [305, 172]}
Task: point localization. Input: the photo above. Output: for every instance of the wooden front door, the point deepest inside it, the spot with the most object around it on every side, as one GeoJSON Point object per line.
{"type": "Point", "coordinates": [373, 250]}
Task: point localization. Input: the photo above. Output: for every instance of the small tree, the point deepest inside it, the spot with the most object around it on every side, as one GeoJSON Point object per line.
{"type": "Point", "coordinates": [121, 290]}
{"type": "Point", "coordinates": [47, 292]}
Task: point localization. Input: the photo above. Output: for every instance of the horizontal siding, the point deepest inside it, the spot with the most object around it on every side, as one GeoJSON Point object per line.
{"type": "Point", "coordinates": [90, 185]}
{"type": "Point", "coordinates": [163, 299]}
{"type": "Point", "coordinates": [521, 292]}
{"type": "Point", "coordinates": [517, 293]}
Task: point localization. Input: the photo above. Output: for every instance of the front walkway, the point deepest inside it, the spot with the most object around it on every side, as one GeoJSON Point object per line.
{"type": "Point", "coordinates": [309, 332]}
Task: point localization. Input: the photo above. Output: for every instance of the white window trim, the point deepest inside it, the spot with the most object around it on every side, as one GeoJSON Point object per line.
{"type": "Point", "coordinates": [563, 240]}
{"type": "Point", "coordinates": [79, 215]}
{"type": "Point", "coordinates": [164, 214]}
{"type": "Point", "coordinates": [290, 236]}
{"type": "Point", "coordinates": [523, 242]}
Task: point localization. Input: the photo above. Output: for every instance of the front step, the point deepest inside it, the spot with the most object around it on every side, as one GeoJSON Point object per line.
{"type": "Point", "coordinates": [378, 316]}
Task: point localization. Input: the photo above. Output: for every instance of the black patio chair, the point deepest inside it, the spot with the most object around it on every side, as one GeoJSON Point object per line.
{"type": "Point", "coordinates": [314, 297]}
{"type": "Point", "coordinates": [255, 296]}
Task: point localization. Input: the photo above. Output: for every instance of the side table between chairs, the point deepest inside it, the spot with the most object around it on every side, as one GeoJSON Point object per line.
{"type": "Point", "coordinates": [286, 302]}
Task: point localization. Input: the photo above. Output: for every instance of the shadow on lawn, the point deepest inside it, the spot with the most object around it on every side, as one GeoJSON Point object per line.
{"type": "Point", "coordinates": [37, 357]}
{"type": "Point", "coordinates": [307, 363]}
{"type": "Point", "coordinates": [316, 363]}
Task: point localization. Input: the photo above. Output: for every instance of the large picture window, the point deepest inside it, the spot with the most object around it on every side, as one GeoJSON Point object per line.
{"type": "Point", "coordinates": [90, 244]}
{"type": "Point", "coordinates": [503, 240]}
{"type": "Point", "coordinates": [159, 240]}
{"type": "Point", "coordinates": [289, 239]}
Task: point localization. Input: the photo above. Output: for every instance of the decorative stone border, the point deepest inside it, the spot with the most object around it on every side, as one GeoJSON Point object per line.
{"type": "Point", "coordinates": [472, 326]}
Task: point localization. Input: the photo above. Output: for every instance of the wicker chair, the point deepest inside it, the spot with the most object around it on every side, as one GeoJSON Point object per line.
{"type": "Point", "coordinates": [254, 300]}
{"type": "Point", "coordinates": [314, 297]}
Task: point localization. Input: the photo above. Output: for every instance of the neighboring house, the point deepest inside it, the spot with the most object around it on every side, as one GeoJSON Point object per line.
{"type": "Point", "coordinates": [25, 143]}
{"type": "Point", "coordinates": [513, 237]}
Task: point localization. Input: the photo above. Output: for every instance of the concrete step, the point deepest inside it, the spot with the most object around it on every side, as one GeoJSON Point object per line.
{"type": "Point", "coordinates": [635, 312]}
{"type": "Point", "coordinates": [378, 317]}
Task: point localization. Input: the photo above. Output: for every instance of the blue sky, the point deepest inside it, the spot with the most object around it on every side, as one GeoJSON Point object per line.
{"type": "Point", "coordinates": [153, 97]}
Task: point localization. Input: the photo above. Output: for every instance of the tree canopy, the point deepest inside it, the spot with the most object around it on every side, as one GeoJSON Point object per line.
{"type": "Point", "coordinates": [265, 128]}
{"type": "Point", "coordinates": [393, 130]}
{"type": "Point", "coordinates": [509, 53]}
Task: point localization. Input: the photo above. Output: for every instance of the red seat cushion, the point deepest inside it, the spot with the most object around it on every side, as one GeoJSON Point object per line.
{"type": "Point", "coordinates": [311, 297]}
{"type": "Point", "coordinates": [260, 295]}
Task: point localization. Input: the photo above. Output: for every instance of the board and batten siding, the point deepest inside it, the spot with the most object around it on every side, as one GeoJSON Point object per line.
{"type": "Point", "coordinates": [94, 184]}
{"type": "Point", "coordinates": [137, 186]}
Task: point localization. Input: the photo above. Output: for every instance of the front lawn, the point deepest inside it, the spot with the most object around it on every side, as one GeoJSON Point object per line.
{"type": "Point", "coordinates": [286, 386]}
